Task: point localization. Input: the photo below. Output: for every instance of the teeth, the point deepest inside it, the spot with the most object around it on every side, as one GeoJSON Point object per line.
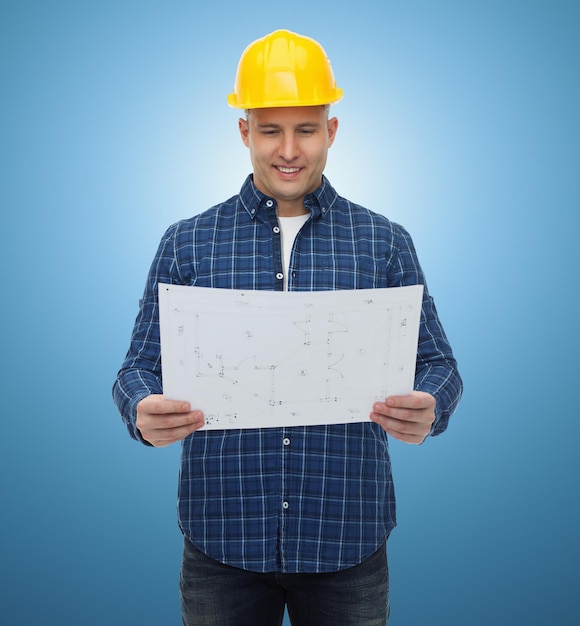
{"type": "Point", "coordinates": [289, 170]}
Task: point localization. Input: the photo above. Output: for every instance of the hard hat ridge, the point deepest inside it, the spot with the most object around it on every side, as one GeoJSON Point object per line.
{"type": "Point", "coordinates": [284, 69]}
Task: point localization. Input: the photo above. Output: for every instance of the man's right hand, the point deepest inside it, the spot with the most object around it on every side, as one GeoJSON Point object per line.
{"type": "Point", "coordinates": [163, 422]}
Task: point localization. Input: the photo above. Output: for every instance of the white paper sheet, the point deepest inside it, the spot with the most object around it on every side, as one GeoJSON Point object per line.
{"type": "Point", "coordinates": [256, 359]}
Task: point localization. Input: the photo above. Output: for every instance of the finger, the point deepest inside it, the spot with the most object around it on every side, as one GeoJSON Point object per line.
{"type": "Point", "coordinates": [162, 406]}
{"type": "Point", "coordinates": [167, 421]}
{"type": "Point", "coordinates": [408, 432]}
{"type": "Point", "coordinates": [402, 414]}
{"type": "Point", "coordinates": [392, 424]}
{"type": "Point", "coordinates": [161, 437]}
{"type": "Point", "coordinates": [415, 400]}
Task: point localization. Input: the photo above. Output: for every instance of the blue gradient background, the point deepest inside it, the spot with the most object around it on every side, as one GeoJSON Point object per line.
{"type": "Point", "coordinates": [460, 120]}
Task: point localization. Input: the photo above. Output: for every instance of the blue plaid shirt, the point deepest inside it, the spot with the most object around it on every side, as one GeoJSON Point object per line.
{"type": "Point", "coordinates": [300, 499]}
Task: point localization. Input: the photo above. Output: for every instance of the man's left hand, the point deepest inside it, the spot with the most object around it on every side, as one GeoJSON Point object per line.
{"type": "Point", "coordinates": [406, 418]}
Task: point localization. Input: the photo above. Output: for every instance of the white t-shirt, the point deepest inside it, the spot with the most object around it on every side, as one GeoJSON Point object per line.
{"type": "Point", "coordinates": [289, 227]}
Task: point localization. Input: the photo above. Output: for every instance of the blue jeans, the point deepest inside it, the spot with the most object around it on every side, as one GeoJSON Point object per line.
{"type": "Point", "coordinates": [214, 594]}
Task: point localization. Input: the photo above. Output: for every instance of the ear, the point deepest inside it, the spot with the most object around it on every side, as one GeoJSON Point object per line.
{"type": "Point", "coordinates": [244, 128]}
{"type": "Point", "coordinates": [332, 128]}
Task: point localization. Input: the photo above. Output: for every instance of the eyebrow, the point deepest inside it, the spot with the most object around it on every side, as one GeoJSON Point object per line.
{"type": "Point", "coordinates": [298, 126]}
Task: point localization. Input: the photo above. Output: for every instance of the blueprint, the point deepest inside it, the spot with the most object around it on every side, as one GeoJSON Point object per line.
{"type": "Point", "coordinates": [257, 359]}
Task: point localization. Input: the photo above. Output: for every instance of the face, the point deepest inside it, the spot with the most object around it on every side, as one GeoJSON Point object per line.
{"type": "Point", "coordinates": [288, 148]}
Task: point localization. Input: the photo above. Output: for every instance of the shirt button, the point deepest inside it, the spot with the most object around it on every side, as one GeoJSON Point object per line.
{"type": "Point", "coordinates": [279, 276]}
{"type": "Point", "coordinates": [276, 229]}
{"type": "Point", "coordinates": [269, 203]}
{"type": "Point", "coordinates": [285, 505]}
{"type": "Point", "coordinates": [286, 441]}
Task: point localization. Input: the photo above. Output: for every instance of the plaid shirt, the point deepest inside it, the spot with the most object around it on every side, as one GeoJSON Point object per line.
{"type": "Point", "coordinates": [300, 499]}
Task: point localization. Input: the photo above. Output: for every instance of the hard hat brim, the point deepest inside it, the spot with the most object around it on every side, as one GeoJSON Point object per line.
{"type": "Point", "coordinates": [235, 103]}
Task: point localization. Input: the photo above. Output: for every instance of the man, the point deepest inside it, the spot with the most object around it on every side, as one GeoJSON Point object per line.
{"type": "Point", "coordinates": [286, 517]}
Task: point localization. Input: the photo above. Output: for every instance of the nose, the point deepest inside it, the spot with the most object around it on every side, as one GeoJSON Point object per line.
{"type": "Point", "coordinates": [288, 148]}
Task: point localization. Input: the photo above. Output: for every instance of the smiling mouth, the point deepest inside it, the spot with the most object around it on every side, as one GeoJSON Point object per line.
{"type": "Point", "coordinates": [287, 170]}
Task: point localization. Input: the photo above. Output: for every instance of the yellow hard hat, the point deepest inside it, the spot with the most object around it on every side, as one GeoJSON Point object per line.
{"type": "Point", "coordinates": [284, 69]}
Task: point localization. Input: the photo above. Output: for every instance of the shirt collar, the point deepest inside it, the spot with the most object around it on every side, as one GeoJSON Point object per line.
{"type": "Point", "coordinates": [318, 202]}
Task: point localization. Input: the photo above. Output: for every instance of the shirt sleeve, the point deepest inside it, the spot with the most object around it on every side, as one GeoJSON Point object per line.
{"type": "Point", "coordinates": [140, 373]}
{"type": "Point", "coordinates": [436, 370]}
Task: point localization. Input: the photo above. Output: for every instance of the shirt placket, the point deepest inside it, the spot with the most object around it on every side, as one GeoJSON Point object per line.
{"type": "Point", "coordinates": [286, 497]}
{"type": "Point", "coordinates": [277, 266]}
